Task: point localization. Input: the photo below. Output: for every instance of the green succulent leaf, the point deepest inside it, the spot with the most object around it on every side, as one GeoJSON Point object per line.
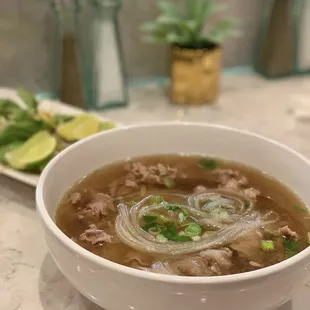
{"type": "Point", "coordinates": [173, 27]}
{"type": "Point", "coordinates": [221, 30]}
{"type": "Point", "coordinates": [169, 9]}
{"type": "Point", "coordinates": [168, 20]}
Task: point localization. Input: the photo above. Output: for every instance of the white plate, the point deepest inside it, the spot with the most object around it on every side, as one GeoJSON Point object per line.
{"type": "Point", "coordinates": [44, 105]}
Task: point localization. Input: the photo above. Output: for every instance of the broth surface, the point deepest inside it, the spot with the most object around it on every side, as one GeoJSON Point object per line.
{"type": "Point", "coordinates": [185, 215]}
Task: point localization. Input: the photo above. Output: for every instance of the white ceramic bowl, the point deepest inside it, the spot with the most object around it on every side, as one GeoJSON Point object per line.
{"type": "Point", "coordinates": [115, 287]}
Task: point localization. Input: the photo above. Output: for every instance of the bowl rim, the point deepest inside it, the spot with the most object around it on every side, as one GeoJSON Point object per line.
{"type": "Point", "coordinates": [102, 262]}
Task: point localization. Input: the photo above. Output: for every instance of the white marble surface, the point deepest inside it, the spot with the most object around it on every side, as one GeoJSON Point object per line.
{"type": "Point", "coordinates": [29, 280]}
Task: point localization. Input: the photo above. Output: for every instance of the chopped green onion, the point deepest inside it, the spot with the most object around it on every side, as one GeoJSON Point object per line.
{"type": "Point", "coordinates": [290, 245]}
{"type": "Point", "coordinates": [169, 182]}
{"type": "Point", "coordinates": [149, 218]}
{"type": "Point", "coordinates": [181, 217]}
{"type": "Point", "coordinates": [163, 219]}
{"type": "Point", "coordinates": [161, 238]}
{"type": "Point", "coordinates": [173, 207]}
{"type": "Point", "coordinates": [299, 208]}
{"type": "Point", "coordinates": [207, 163]}
{"type": "Point", "coordinates": [184, 211]}
{"type": "Point", "coordinates": [267, 245]}
{"type": "Point", "coordinates": [147, 226]}
{"type": "Point", "coordinates": [193, 230]}
{"type": "Point", "coordinates": [170, 231]}
{"type": "Point", "coordinates": [179, 238]}
{"type": "Point", "coordinates": [308, 238]}
{"type": "Point", "coordinates": [156, 200]}
{"type": "Point", "coordinates": [270, 233]}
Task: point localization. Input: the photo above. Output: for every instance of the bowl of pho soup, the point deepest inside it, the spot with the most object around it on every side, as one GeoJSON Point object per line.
{"type": "Point", "coordinates": [179, 216]}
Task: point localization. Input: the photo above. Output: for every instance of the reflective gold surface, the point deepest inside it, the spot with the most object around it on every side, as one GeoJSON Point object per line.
{"type": "Point", "coordinates": [195, 75]}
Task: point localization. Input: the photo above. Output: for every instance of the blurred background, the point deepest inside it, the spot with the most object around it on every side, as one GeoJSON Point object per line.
{"type": "Point", "coordinates": [27, 30]}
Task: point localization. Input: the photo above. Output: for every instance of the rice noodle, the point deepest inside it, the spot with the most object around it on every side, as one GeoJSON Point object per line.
{"type": "Point", "coordinates": [240, 220]}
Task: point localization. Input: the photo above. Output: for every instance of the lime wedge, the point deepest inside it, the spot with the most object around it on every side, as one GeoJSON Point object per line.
{"type": "Point", "coordinates": [80, 127]}
{"type": "Point", "coordinates": [35, 150]}
{"type": "Point", "coordinates": [106, 125]}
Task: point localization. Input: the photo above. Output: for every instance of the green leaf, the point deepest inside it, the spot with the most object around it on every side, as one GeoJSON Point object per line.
{"type": "Point", "coordinates": [151, 26]}
{"type": "Point", "coordinates": [178, 238]}
{"type": "Point", "coordinates": [213, 9]}
{"type": "Point", "coordinates": [168, 20]}
{"type": "Point", "coordinates": [208, 163]}
{"type": "Point", "coordinates": [7, 148]}
{"type": "Point", "coordinates": [29, 100]}
{"type": "Point", "coordinates": [169, 8]}
{"type": "Point", "coordinates": [149, 218]}
{"type": "Point", "coordinates": [21, 130]}
{"type": "Point", "coordinates": [10, 110]}
{"type": "Point", "coordinates": [221, 30]}
{"type": "Point", "coordinates": [174, 38]}
{"type": "Point", "coordinates": [60, 118]}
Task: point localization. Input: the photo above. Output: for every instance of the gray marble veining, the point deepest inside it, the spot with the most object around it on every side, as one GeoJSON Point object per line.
{"type": "Point", "coordinates": [30, 280]}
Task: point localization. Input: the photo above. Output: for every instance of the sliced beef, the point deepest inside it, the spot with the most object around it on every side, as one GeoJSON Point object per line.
{"type": "Point", "coordinates": [218, 260]}
{"type": "Point", "coordinates": [137, 260]}
{"type": "Point", "coordinates": [234, 180]}
{"type": "Point", "coordinates": [153, 174]}
{"type": "Point", "coordinates": [289, 234]}
{"type": "Point", "coordinates": [99, 205]}
{"type": "Point", "coordinates": [158, 267]}
{"type": "Point", "coordinates": [251, 193]}
{"type": "Point", "coordinates": [190, 266]}
{"type": "Point", "coordinates": [249, 246]}
{"type": "Point", "coordinates": [75, 198]}
{"type": "Point", "coordinates": [95, 236]}
{"type": "Point", "coordinates": [200, 189]}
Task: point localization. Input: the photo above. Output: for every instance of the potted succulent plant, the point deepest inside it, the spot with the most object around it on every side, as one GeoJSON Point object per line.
{"type": "Point", "coordinates": [195, 35]}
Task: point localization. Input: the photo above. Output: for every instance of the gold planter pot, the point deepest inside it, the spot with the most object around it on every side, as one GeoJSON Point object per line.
{"type": "Point", "coordinates": [195, 75]}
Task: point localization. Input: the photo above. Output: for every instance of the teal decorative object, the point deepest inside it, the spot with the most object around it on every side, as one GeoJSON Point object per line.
{"type": "Point", "coordinates": [88, 66]}
{"type": "Point", "coordinates": [100, 54]}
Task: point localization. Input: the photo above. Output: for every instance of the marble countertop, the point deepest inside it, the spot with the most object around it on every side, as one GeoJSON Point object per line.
{"type": "Point", "coordinates": [29, 279]}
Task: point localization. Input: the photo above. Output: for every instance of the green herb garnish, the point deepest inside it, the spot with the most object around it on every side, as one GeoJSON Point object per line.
{"type": "Point", "coordinates": [299, 208]}
{"type": "Point", "coordinates": [290, 245]}
{"type": "Point", "coordinates": [178, 238]}
{"type": "Point", "coordinates": [156, 200]}
{"type": "Point", "coordinates": [161, 238]}
{"type": "Point", "coordinates": [29, 100]}
{"type": "Point", "coordinates": [181, 217]}
{"type": "Point", "coordinates": [173, 208]}
{"type": "Point", "coordinates": [147, 226]}
{"type": "Point", "coordinates": [267, 245]}
{"type": "Point", "coordinates": [169, 182]}
{"type": "Point", "coordinates": [60, 118]}
{"type": "Point", "coordinates": [193, 230]}
{"type": "Point", "coordinates": [207, 163]}
{"type": "Point", "coordinates": [149, 218]}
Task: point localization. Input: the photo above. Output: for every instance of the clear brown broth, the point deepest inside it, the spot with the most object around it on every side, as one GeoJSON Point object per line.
{"type": "Point", "coordinates": [274, 196]}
